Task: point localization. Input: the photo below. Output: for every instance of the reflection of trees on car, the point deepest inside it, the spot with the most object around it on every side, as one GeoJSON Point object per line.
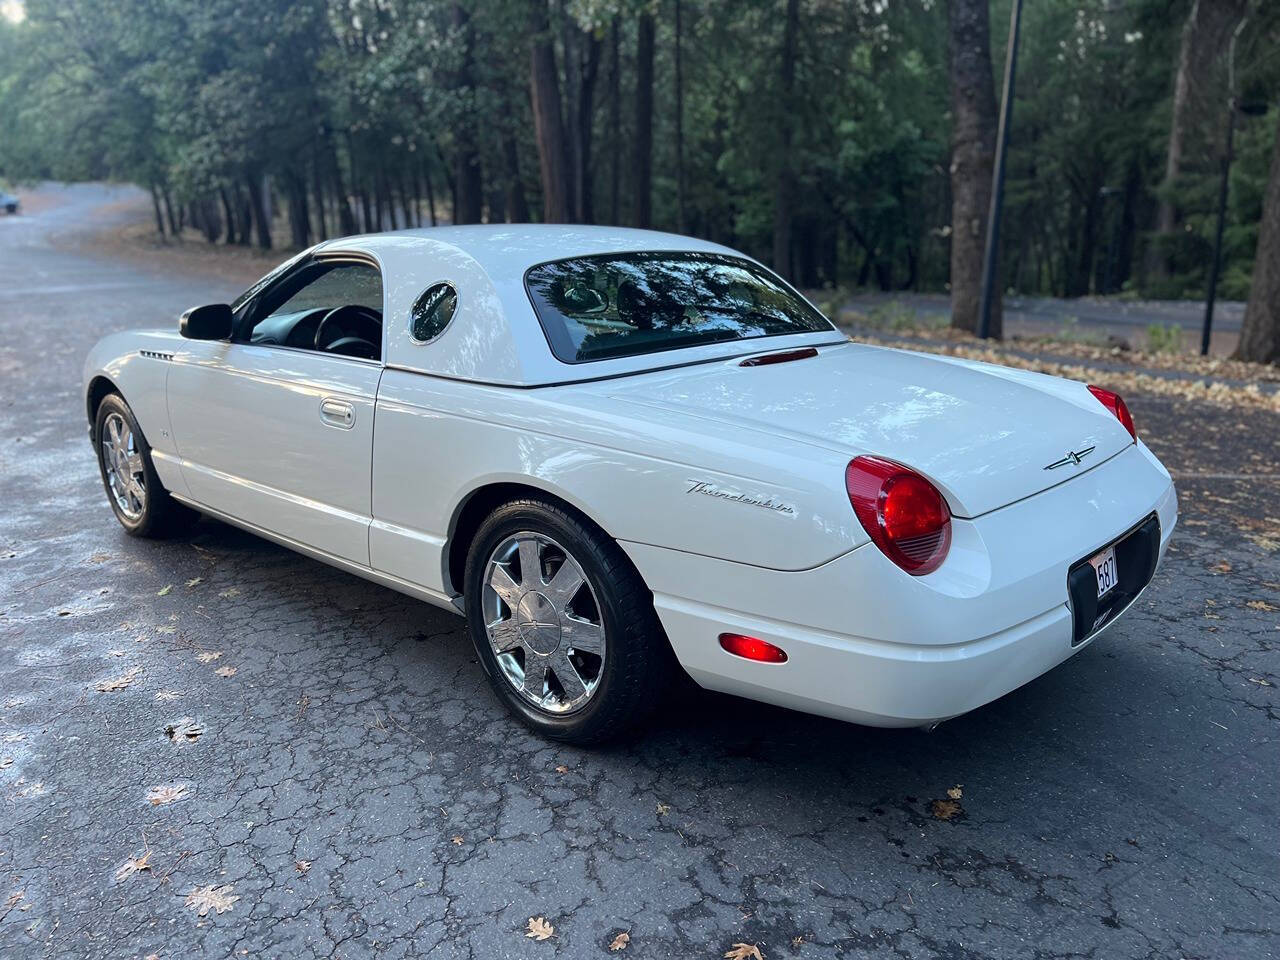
{"type": "Point", "coordinates": [619, 305]}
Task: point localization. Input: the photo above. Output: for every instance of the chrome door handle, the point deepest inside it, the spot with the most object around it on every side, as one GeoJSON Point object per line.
{"type": "Point", "coordinates": [337, 413]}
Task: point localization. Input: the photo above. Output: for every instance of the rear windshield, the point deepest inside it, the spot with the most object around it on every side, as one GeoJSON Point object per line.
{"type": "Point", "coordinates": [620, 305]}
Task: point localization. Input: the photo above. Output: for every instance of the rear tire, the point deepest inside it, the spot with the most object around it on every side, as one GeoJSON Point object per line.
{"type": "Point", "coordinates": [137, 498]}
{"type": "Point", "coordinates": [525, 624]}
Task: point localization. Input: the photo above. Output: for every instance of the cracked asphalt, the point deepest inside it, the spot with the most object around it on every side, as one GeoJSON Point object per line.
{"type": "Point", "coordinates": [358, 790]}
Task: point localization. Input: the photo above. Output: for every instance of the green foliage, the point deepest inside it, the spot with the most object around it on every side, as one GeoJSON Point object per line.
{"type": "Point", "coordinates": [1164, 339]}
{"type": "Point", "coordinates": [365, 110]}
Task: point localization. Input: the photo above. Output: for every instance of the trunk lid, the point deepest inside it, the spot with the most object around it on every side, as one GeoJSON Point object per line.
{"type": "Point", "coordinates": [984, 434]}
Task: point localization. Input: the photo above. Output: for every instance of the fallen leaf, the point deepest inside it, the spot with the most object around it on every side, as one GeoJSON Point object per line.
{"type": "Point", "coordinates": [1260, 682]}
{"type": "Point", "coordinates": [946, 809]}
{"type": "Point", "coordinates": [1261, 605]}
{"type": "Point", "coordinates": [194, 580]}
{"type": "Point", "coordinates": [663, 809]}
{"type": "Point", "coordinates": [165, 592]}
{"type": "Point", "coordinates": [1223, 567]}
{"type": "Point", "coordinates": [166, 629]}
{"type": "Point", "coordinates": [185, 730]}
{"type": "Point", "coordinates": [229, 593]}
{"type": "Point", "coordinates": [744, 951]}
{"type": "Point", "coordinates": [562, 769]}
{"type": "Point", "coordinates": [134, 865]}
{"type": "Point", "coordinates": [204, 899]}
{"type": "Point", "coordinates": [114, 684]}
{"type": "Point", "coordinates": [100, 558]}
{"type": "Point", "coordinates": [539, 929]}
{"type": "Point", "coordinates": [209, 657]}
{"type": "Point", "coordinates": [302, 866]}
{"type": "Point", "coordinates": [164, 696]}
{"type": "Point", "coordinates": [167, 793]}
{"type": "Point", "coordinates": [115, 653]}
{"type": "Point", "coordinates": [956, 792]}
{"type": "Point", "coordinates": [226, 671]}
{"type": "Point", "coordinates": [620, 941]}
{"type": "Point", "coordinates": [457, 841]}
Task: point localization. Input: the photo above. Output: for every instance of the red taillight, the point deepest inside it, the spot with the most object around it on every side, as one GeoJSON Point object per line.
{"type": "Point", "coordinates": [1114, 403]}
{"type": "Point", "coordinates": [752, 648]}
{"type": "Point", "coordinates": [904, 513]}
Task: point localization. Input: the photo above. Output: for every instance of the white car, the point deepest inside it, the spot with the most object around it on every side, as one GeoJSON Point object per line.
{"type": "Point", "coordinates": [616, 451]}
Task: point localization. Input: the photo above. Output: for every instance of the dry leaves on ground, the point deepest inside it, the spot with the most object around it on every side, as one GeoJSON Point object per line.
{"type": "Point", "coordinates": [946, 809]}
{"type": "Point", "coordinates": [620, 941]}
{"type": "Point", "coordinates": [956, 792]}
{"type": "Point", "coordinates": [663, 809]}
{"type": "Point", "coordinates": [115, 684]}
{"type": "Point", "coordinates": [209, 657]}
{"type": "Point", "coordinates": [167, 793]}
{"type": "Point", "coordinates": [562, 769]}
{"type": "Point", "coordinates": [226, 671]}
{"type": "Point", "coordinates": [457, 841]}
{"type": "Point", "coordinates": [164, 696]}
{"type": "Point", "coordinates": [1261, 605]}
{"type": "Point", "coordinates": [194, 580]}
{"type": "Point", "coordinates": [744, 951]}
{"type": "Point", "coordinates": [134, 865]}
{"type": "Point", "coordinates": [184, 731]}
{"type": "Point", "coordinates": [229, 593]}
{"type": "Point", "coordinates": [302, 866]}
{"type": "Point", "coordinates": [539, 929]}
{"type": "Point", "coordinates": [165, 591]}
{"type": "Point", "coordinates": [216, 898]}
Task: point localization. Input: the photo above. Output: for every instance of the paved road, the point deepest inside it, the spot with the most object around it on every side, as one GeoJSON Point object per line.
{"type": "Point", "coordinates": [360, 792]}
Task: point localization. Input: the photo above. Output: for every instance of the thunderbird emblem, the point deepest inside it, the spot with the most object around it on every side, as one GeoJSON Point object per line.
{"type": "Point", "coordinates": [1073, 456]}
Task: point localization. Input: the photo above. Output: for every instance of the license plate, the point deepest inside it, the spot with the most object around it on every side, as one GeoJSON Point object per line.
{"type": "Point", "coordinates": [1104, 566]}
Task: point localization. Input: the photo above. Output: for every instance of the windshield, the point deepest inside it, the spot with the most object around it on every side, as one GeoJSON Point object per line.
{"type": "Point", "coordinates": [620, 305]}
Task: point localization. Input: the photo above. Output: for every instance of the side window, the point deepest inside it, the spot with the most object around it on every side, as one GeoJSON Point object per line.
{"type": "Point", "coordinates": [331, 306]}
{"type": "Point", "coordinates": [432, 312]}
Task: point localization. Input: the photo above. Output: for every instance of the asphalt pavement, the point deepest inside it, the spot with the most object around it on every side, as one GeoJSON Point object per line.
{"type": "Point", "coordinates": [216, 724]}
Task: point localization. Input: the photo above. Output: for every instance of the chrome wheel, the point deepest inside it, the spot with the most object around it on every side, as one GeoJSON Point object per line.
{"type": "Point", "coordinates": [543, 623]}
{"type": "Point", "coordinates": [122, 463]}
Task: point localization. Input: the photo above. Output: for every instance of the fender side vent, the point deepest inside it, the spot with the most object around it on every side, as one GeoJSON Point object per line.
{"type": "Point", "coordinates": [155, 354]}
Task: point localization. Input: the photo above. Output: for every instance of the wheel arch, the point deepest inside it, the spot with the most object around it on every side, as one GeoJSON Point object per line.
{"type": "Point", "coordinates": [479, 503]}
{"type": "Point", "coordinates": [95, 393]}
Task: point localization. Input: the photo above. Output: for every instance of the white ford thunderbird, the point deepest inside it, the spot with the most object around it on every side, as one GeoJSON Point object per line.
{"type": "Point", "coordinates": [622, 453]}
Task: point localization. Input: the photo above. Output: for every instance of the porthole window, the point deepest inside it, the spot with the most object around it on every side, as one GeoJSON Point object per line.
{"type": "Point", "coordinates": [432, 312]}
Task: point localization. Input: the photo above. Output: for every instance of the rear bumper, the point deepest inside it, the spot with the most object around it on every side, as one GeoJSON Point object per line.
{"type": "Point", "coordinates": [870, 644]}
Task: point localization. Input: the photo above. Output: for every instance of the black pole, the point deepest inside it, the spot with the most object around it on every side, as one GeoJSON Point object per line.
{"type": "Point", "coordinates": [1212, 293]}
{"type": "Point", "coordinates": [992, 253]}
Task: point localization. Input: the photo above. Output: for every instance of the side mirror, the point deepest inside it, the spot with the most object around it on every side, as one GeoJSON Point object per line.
{"type": "Point", "coordinates": [211, 322]}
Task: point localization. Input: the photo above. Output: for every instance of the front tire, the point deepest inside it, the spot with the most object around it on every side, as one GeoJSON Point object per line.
{"type": "Point", "coordinates": [139, 501]}
{"type": "Point", "coordinates": [563, 624]}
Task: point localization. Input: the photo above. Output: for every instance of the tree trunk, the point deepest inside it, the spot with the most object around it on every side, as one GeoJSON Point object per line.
{"type": "Point", "coordinates": [782, 192]}
{"type": "Point", "coordinates": [615, 120]}
{"type": "Point", "coordinates": [642, 158]}
{"type": "Point", "coordinates": [228, 214]}
{"type": "Point", "coordinates": [155, 202]}
{"type": "Point", "coordinates": [517, 204]}
{"type": "Point", "coordinates": [1260, 335]}
{"type": "Point", "coordinates": [682, 223]}
{"type": "Point", "coordinates": [168, 211]}
{"type": "Point", "coordinates": [322, 224]}
{"type": "Point", "coordinates": [431, 191]}
{"type": "Point", "coordinates": [1204, 37]}
{"type": "Point", "coordinates": [469, 183]}
{"type": "Point", "coordinates": [544, 87]}
{"type": "Point", "coordinates": [973, 146]}
{"type": "Point", "coordinates": [582, 121]}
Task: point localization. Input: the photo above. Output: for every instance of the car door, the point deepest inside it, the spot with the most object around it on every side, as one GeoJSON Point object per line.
{"type": "Point", "coordinates": [276, 431]}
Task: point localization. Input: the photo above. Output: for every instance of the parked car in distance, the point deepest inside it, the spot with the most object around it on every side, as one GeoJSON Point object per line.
{"type": "Point", "coordinates": [623, 453]}
{"type": "Point", "coordinates": [9, 202]}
